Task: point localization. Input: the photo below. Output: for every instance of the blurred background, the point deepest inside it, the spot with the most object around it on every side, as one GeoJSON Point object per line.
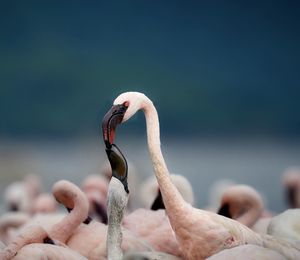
{"type": "Point", "coordinates": [224, 76]}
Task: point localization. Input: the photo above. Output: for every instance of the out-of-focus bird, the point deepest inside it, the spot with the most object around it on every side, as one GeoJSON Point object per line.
{"type": "Point", "coordinates": [244, 204]}
{"type": "Point", "coordinates": [149, 191]}
{"type": "Point", "coordinates": [34, 243]}
{"type": "Point", "coordinates": [19, 196]}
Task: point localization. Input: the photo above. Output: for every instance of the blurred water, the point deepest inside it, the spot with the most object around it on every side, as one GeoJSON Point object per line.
{"type": "Point", "coordinates": [259, 163]}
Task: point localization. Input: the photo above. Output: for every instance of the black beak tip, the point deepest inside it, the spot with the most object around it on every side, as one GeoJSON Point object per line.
{"type": "Point", "coordinates": [108, 145]}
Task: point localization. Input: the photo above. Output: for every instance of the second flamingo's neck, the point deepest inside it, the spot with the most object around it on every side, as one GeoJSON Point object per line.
{"type": "Point", "coordinates": [116, 203]}
{"type": "Point", "coordinates": [64, 229]}
{"type": "Point", "coordinates": [172, 198]}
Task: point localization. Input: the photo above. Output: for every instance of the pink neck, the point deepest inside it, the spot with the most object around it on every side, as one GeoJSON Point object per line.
{"type": "Point", "coordinates": [172, 199]}
{"type": "Point", "coordinates": [31, 234]}
{"type": "Point", "coordinates": [64, 229]}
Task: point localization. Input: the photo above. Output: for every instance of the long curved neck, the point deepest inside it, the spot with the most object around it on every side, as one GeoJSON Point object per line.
{"type": "Point", "coordinates": [172, 199]}
{"type": "Point", "coordinates": [64, 229]}
{"type": "Point", "coordinates": [31, 234]}
{"type": "Point", "coordinates": [116, 203]}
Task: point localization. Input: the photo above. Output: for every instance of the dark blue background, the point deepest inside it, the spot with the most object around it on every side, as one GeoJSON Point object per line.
{"type": "Point", "coordinates": [211, 67]}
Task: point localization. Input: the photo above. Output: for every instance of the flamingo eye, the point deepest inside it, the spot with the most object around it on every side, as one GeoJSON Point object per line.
{"type": "Point", "coordinates": [126, 104]}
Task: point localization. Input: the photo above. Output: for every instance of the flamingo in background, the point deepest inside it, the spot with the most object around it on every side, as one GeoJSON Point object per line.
{"type": "Point", "coordinates": [34, 243]}
{"type": "Point", "coordinates": [199, 233]}
{"type": "Point", "coordinates": [18, 196]}
{"type": "Point", "coordinates": [44, 203]}
{"type": "Point", "coordinates": [10, 222]}
{"type": "Point", "coordinates": [215, 193]}
{"type": "Point", "coordinates": [150, 195]}
{"type": "Point", "coordinates": [244, 204]}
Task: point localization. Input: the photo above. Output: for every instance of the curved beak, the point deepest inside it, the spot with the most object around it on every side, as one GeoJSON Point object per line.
{"type": "Point", "coordinates": [118, 165]}
{"type": "Point", "coordinates": [224, 211]}
{"type": "Point", "coordinates": [110, 122]}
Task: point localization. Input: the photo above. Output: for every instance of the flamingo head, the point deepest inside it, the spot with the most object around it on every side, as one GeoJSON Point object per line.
{"type": "Point", "coordinates": [124, 107]}
{"type": "Point", "coordinates": [110, 122]}
{"type": "Point", "coordinates": [239, 199]}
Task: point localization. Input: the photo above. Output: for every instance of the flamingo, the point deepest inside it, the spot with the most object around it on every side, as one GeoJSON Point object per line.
{"type": "Point", "coordinates": [34, 243]}
{"type": "Point", "coordinates": [244, 204]}
{"type": "Point", "coordinates": [18, 196]}
{"type": "Point", "coordinates": [199, 233]}
{"type": "Point", "coordinates": [44, 203]}
{"type": "Point", "coordinates": [10, 222]}
{"type": "Point", "coordinates": [76, 202]}
{"type": "Point", "coordinates": [215, 193]}
{"type": "Point", "coordinates": [150, 195]}
{"type": "Point", "coordinates": [60, 227]}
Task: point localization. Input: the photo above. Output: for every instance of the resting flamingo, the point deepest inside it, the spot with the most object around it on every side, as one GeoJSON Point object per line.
{"type": "Point", "coordinates": [215, 193]}
{"type": "Point", "coordinates": [199, 233]}
{"type": "Point", "coordinates": [76, 202]}
{"type": "Point", "coordinates": [9, 224]}
{"type": "Point", "coordinates": [44, 203]}
{"type": "Point", "coordinates": [42, 209]}
{"type": "Point", "coordinates": [244, 204]}
{"type": "Point", "coordinates": [34, 243]}
{"type": "Point", "coordinates": [18, 196]}
{"type": "Point", "coordinates": [150, 194]}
